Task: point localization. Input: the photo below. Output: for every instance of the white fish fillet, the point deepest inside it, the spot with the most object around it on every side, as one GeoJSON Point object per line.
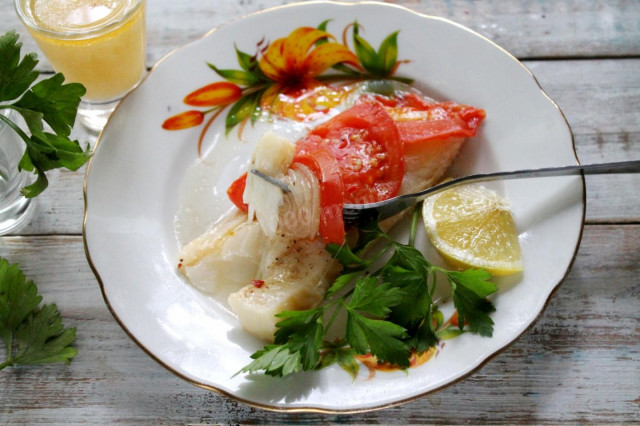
{"type": "Point", "coordinates": [289, 273]}
{"type": "Point", "coordinates": [295, 276]}
{"type": "Point", "coordinates": [226, 257]}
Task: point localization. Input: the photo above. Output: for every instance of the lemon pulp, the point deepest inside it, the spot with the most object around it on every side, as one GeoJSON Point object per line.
{"type": "Point", "coordinates": [472, 226]}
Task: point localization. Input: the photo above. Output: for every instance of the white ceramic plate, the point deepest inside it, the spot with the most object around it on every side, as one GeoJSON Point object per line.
{"type": "Point", "coordinates": [132, 196]}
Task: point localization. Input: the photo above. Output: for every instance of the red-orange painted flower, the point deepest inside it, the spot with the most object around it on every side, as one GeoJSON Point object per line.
{"type": "Point", "coordinates": [285, 78]}
{"type": "Point", "coordinates": [214, 94]}
{"type": "Point", "coordinates": [294, 59]}
{"type": "Point", "coordinates": [184, 120]}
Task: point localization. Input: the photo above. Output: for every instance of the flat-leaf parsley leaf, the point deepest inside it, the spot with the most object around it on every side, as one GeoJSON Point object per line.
{"type": "Point", "coordinates": [390, 312]}
{"type": "Point", "coordinates": [38, 332]}
{"type": "Point", "coordinates": [48, 101]}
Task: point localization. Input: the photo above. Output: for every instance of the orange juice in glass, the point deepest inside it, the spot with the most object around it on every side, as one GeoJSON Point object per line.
{"type": "Point", "coordinates": [99, 43]}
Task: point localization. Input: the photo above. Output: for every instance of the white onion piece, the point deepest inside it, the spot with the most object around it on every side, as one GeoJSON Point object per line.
{"type": "Point", "coordinates": [300, 212]}
{"type": "Point", "coordinates": [272, 156]}
{"type": "Point", "coordinates": [266, 199]}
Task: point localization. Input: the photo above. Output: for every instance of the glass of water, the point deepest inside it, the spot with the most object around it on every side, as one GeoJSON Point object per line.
{"type": "Point", "coordinates": [15, 209]}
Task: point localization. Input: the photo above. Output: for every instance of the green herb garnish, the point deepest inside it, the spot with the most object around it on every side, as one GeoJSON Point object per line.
{"type": "Point", "coordinates": [31, 334]}
{"type": "Point", "coordinates": [390, 311]}
{"type": "Point", "coordinates": [48, 101]}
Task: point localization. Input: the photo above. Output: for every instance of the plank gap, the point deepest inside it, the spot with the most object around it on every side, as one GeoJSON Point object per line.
{"type": "Point", "coordinates": [559, 58]}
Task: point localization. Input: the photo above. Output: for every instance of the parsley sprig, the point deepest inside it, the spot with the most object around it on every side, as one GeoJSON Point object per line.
{"type": "Point", "coordinates": [48, 101]}
{"type": "Point", "coordinates": [31, 334]}
{"type": "Point", "coordinates": [390, 310]}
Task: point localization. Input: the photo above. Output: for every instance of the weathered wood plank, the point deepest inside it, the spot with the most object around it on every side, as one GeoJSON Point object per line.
{"type": "Point", "coordinates": [541, 29]}
{"type": "Point", "coordinates": [601, 101]}
{"type": "Point", "coordinates": [600, 97]}
{"type": "Point", "coordinates": [576, 364]}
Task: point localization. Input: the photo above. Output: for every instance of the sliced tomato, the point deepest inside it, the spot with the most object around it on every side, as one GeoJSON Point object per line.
{"type": "Point", "coordinates": [444, 120]}
{"type": "Point", "coordinates": [236, 190]}
{"type": "Point", "coordinates": [365, 142]}
{"type": "Point", "coordinates": [419, 120]}
{"type": "Point", "coordinates": [326, 169]}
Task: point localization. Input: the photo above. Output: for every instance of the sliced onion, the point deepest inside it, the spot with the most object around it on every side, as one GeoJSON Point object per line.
{"type": "Point", "coordinates": [265, 203]}
{"type": "Point", "coordinates": [300, 212]}
{"type": "Point", "coordinates": [272, 156]}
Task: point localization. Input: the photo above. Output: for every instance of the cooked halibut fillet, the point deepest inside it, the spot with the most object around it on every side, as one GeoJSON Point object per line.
{"type": "Point", "coordinates": [426, 164]}
{"type": "Point", "coordinates": [264, 272]}
{"type": "Point", "coordinates": [224, 258]}
{"type": "Point", "coordinates": [294, 273]}
{"type": "Point", "coordinates": [295, 276]}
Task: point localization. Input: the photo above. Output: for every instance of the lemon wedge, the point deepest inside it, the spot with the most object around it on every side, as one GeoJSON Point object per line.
{"type": "Point", "coordinates": [472, 226]}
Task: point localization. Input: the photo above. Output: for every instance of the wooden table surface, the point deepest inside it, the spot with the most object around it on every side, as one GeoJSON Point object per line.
{"type": "Point", "coordinates": [579, 363]}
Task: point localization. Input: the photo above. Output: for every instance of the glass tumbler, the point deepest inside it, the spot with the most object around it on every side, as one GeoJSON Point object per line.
{"type": "Point", "coordinates": [99, 43]}
{"type": "Point", "coordinates": [15, 209]}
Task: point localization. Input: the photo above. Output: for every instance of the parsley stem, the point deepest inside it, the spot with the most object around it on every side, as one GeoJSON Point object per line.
{"type": "Point", "coordinates": [381, 253]}
{"type": "Point", "coordinates": [9, 343]}
{"type": "Point", "coordinates": [378, 256]}
{"type": "Point", "coordinates": [15, 127]}
{"type": "Point", "coordinates": [414, 226]}
{"type": "Point", "coordinates": [438, 268]}
{"type": "Point", "coordinates": [432, 290]}
{"type": "Point", "coordinates": [334, 315]}
{"type": "Point", "coordinates": [430, 318]}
